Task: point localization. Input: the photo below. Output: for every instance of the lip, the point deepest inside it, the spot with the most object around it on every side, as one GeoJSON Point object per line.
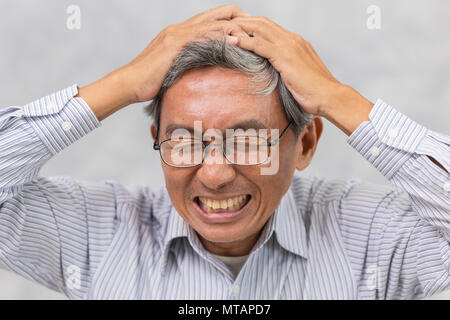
{"type": "Point", "coordinates": [221, 217]}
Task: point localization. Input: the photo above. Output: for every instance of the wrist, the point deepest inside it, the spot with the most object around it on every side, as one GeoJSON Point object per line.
{"type": "Point", "coordinates": [346, 108]}
{"type": "Point", "coordinates": [107, 95]}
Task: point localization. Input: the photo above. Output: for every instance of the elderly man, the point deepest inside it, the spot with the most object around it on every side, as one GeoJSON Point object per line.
{"type": "Point", "coordinates": [237, 103]}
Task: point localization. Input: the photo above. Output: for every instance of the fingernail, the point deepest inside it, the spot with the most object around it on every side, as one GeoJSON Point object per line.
{"type": "Point", "coordinates": [232, 40]}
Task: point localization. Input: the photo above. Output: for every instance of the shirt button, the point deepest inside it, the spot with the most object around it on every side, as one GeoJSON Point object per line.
{"type": "Point", "coordinates": [393, 133]}
{"type": "Point", "coordinates": [375, 151]}
{"type": "Point", "coordinates": [447, 186]}
{"type": "Point", "coordinates": [66, 126]}
{"type": "Point", "coordinates": [236, 289]}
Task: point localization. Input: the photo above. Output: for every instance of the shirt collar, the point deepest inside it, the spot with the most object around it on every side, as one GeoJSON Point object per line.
{"type": "Point", "coordinates": [289, 226]}
{"type": "Point", "coordinates": [287, 223]}
{"type": "Point", "coordinates": [176, 228]}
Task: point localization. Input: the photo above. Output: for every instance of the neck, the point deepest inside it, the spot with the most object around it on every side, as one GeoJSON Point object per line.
{"type": "Point", "coordinates": [230, 249]}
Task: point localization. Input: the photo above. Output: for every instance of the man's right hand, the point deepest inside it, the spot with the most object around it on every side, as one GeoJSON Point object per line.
{"type": "Point", "coordinates": [141, 79]}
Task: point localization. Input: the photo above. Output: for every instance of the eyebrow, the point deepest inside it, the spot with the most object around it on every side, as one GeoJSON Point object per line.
{"type": "Point", "coordinates": [245, 125]}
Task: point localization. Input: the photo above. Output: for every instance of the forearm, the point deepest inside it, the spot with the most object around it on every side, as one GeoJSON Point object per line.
{"type": "Point", "coordinates": [108, 95]}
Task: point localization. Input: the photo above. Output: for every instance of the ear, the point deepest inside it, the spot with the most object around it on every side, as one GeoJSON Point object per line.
{"type": "Point", "coordinates": [307, 142]}
{"type": "Point", "coordinates": [153, 131]}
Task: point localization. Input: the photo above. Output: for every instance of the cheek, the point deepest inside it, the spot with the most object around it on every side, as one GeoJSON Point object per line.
{"type": "Point", "coordinates": [177, 181]}
{"type": "Point", "coordinates": [288, 162]}
{"type": "Point", "coordinates": [282, 180]}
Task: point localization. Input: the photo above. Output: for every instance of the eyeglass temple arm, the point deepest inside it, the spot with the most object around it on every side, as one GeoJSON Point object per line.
{"type": "Point", "coordinates": [156, 145]}
{"type": "Point", "coordinates": [281, 136]}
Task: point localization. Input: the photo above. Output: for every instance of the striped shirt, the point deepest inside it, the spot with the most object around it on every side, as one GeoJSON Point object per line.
{"type": "Point", "coordinates": [328, 239]}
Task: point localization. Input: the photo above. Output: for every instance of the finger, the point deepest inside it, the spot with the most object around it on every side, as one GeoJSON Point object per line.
{"type": "Point", "coordinates": [225, 12]}
{"type": "Point", "coordinates": [225, 26]}
{"type": "Point", "coordinates": [220, 30]}
{"type": "Point", "coordinates": [259, 28]}
{"type": "Point", "coordinates": [258, 45]}
{"type": "Point", "coordinates": [221, 36]}
{"type": "Point", "coordinates": [261, 19]}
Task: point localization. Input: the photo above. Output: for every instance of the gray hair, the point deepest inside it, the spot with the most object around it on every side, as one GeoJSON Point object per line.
{"type": "Point", "coordinates": [214, 52]}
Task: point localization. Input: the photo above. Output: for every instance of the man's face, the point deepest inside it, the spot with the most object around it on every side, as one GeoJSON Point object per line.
{"type": "Point", "coordinates": [217, 97]}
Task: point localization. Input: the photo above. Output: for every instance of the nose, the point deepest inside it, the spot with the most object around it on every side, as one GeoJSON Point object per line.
{"type": "Point", "coordinates": [215, 172]}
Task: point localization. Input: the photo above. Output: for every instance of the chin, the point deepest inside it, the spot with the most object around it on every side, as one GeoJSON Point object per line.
{"type": "Point", "coordinates": [221, 234]}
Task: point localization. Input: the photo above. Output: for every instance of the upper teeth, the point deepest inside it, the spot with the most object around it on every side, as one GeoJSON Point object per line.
{"type": "Point", "coordinates": [222, 204]}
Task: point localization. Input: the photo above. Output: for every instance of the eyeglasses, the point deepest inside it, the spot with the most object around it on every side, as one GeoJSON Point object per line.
{"type": "Point", "coordinates": [244, 150]}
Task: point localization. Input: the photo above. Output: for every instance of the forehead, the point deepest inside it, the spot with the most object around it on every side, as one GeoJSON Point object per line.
{"type": "Point", "coordinates": [220, 98]}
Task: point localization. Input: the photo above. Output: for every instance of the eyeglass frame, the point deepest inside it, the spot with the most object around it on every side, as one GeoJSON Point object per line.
{"type": "Point", "coordinates": [157, 147]}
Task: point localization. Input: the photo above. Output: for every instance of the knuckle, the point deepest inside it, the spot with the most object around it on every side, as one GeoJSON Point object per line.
{"type": "Point", "coordinates": [228, 30]}
{"type": "Point", "coordinates": [169, 34]}
{"type": "Point", "coordinates": [233, 6]}
{"type": "Point", "coordinates": [295, 42]}
{"type": "Point", "coordinates": [169, 29]}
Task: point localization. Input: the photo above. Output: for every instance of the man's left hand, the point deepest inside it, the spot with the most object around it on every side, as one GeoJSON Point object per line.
{"type": "Point", "coordinates": [304, 73]}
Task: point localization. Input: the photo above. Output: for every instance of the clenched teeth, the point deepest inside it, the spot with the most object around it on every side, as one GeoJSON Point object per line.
{"type": "Point", "coordinates": [230, 204]}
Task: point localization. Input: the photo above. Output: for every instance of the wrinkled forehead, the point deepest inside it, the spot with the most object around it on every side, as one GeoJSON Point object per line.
{"type": "Point", "coordinates": [219, 98]}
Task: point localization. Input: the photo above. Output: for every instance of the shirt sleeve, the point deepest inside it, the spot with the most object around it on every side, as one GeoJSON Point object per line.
{"type": "Point", "coordinates": [409, 245]}
{"type": "Point", "coordinates": [52, 230]}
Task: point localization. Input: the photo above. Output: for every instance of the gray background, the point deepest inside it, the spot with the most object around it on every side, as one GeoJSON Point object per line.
{"type": "Point", "coordinates": [406, 63]}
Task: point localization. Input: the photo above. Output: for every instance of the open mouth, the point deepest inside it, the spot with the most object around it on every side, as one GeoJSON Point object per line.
{"type": "Point", "coordinates": [223, 208]}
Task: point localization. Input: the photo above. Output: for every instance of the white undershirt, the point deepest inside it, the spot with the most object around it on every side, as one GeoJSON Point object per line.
{"type": "Point", "coordinates": [233, 263]}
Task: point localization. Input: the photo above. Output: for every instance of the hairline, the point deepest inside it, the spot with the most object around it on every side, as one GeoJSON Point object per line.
{"type": "Point", "coordinates": [228, 58]}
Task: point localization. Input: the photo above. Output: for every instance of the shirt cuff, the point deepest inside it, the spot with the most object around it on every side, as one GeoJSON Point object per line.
{"type": "Point", "coordinates": [389, 139]}
{"type": "Point", "coordinates": [60, 119]}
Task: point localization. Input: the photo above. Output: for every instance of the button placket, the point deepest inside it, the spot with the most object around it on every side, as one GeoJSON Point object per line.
{"type": "Point", "coordinates": [235, 291]}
